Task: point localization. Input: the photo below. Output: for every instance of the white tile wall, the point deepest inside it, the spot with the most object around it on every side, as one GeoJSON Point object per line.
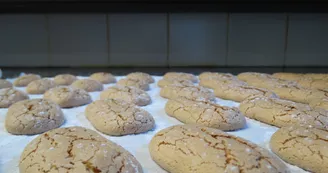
{"type": "Point", "coordinates": [23, 40]}
{"type": "Point", "coordinates": [138, 39]}
{"type": "Point", "coordinates": [78, 39]}
{"type": "Point", "coordinates": [256, 39]}
{"type": "Point", "coordinates": [307, 40]}
{"type": "Point", "coordinates": [197, 39]}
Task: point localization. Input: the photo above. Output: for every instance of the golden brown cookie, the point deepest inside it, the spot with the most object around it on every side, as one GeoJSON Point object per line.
{"type": "Point", "coordinates": [40, 86]}
{"type": "Point", "coordinates": [190, 92]}
{"type": "Point", "coordinates": [65, 79]}
{"type": "Point", "coordinates": [304, 147]}
{"type": "Point", "coordinates": [180, 75]}
{"type": "Point", "coordinates": [88, 85]}
{"type": "Point", "coordinates": [30, 117]}
{"type": "Point", "coordinates": [26, 79]}
{"type": "Point", "coordinates": [131, 95]}
{"type": "Point", "coordinates": [141, 84]}
{"type": "Point", "coordinates": [288, 76]}
{"type": "Point", "coordinates": [117, 117]}
{"type": "Point", "coordinates": [215, 75]}
{"type": "Point", "coordinates": [214, 83]}
{"type": "Point", "coordinates": [78, 150]}
{"type": "Point", "coordinates": [102, 77]}
{"type": "Point", "coordinates": [205, 113]}
{"type": "Point", "coordinates": [9, 96]}
{"type": "Point", "coordinates": [282, 113]}
{"type": "Point", "coordinates": [5, 84]}
{"type": "Point", "coordinates": [141, 76]}
{"type": "Point", "coordinates": [165, 82]}
{"type": "Point", "coordinates": [199, 149]}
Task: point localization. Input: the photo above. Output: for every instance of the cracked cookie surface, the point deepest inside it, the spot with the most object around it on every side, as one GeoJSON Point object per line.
{"type": "Point", "coordinates": [26, 79]}
{"type": "Point", "coordinates": [65, 79]}
{"type": "Point", "coordinates": [128, 94]}
{"type": "Point", "coordinates": [76, 150]}
{"type": "Point", "coordinates": [199, 149]}
{"type": "Point", "coordinates": [9, 96]}
{"type": "Point", "coordinates": [29, 117]}
{"type": "Point", "coordinates": [238, 93]}
{"type": "Point", "coordinates": [141, 84]}
{"type": "Point", "coordinates": [141, 76]}
{"type": "Point", "coordinates": [117, 117]}
{"type": "Point", "coordinates": [283, 113]}
{"type": "Point", "coordinates": [180, 75]}
{"type": "Point", "coordinates": [165, 82]}
{"type": "Point", "coordinates": [304, 147]}
{"type": "Point", "coordinates": [88, 85]}
{"type": "Point", "coordinates": [66, 96]}
{"type": "Point", "coordinates": [205, 113]}
{"type": "Point", "coordinates": [40, 86]}
{"type": "Point", "coordinates": [5, 84]}
{"type": "Point", "coordinates": [190, 92]}
{"type": "Point", "coordinates": [304, 80]}
{"type": "Point", "coordinates": [102, 77]}
{"type": "Point", "coordinates": [216, 75]}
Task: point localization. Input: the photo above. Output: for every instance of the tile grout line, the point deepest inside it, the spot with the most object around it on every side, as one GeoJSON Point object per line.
{"type": "Point", "coordinates": [48, 40]}
{"type": "Point", "coordinates": [227, 40]}
{"type": "Point", "coordinates": [107, 38]}
{"type": "Point", "coordinates": [168, 40]}
{"type": "Point", "coordinates": [286, 41]}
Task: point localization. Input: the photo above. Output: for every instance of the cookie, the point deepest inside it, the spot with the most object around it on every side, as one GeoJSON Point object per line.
{"type": "Point", "coordinates": [180, 75]}
{"type": "Point", "coordinates": [304, 147]}
{"type": "Point", "coordinates": [65, 79]}
{"type": "Point", "coordinates": [319, 103]}
{"type": "Point", "coordinates": [288, 76]}
{"type": "Point", "coordinates": [263, 80]}
{"type": "Point", "coordinates": [30, 117]}
{"type": "Point", "coordinates": [165, 82]}
{"type": "Point", "coordinates": [205, 113]}
{"type": "Point", "coordinates": [190, 92]}
{"type": "Point", "coordinates": [26, 79]}
{"type": "Point", "coordinates": [199, 149]}
{"type": "Point", "coordinates": [141, 84]}
{"type": "Point", "coordinates": [320, 76]}
{"type": "Point", "coordinates": [128, 94]}
{"type": "Point", "coordinates": [141, 76]}
{"type": "Point", "coordinates": [40, 86]}
{"type": "Point", "coordinates": [5, 84]}
{"type": "Point", "coordinates": [241, 92]}
{"type": "Point", "coordinates": [102, 77]}
{"type": "Point", "coordinates": [282, 113]}
{"type": "Point", "coordinates": [67, 97]}
{"type": "Point", "coordinates": [88, 85]}
{"type": "Point", "coordinates": [303, 80]}
{"type": "Point", "coordinates": [217, 82]}
{"type": "Point", "coordinates": [76, 149]}
{"type": "Point", "coordinates": [215, 75]}
{"type": "Point", "coordinates": [9, 96]}
{"type": "Point", "coordinates": [117, 117]}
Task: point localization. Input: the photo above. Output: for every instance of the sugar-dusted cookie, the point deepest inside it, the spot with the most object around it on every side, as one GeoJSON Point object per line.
{"type": "Point", "coordinates": [141, 76]}
{"type": "Point", "coordinates": [40, 86]}
{"type": "Point", "coordinates": [102, 77]}
{"type": "Point", "coordinates": [180, 75]}
{"type": "Point", "coordinates": [128, 94]}
{"type": "Point", "coordinates": [165, 82]}
{"type": "Point", "coordinates": [65, 79]}
{"type": "Point", "coordinates": [78, 150]}
{"type": "Point", "coordinates": [26, 79]}
{"type": "Point", "coordinates": [191, 92]}
{"type": "Point", "coordinates": [214, 83]}
{"type": "Point", "coordinates": [305, 147]}
{"type": "Point", "coordinates": [205, 113]}
{"type": "Point", "coordinates": [9, 96]}
{"type": "Point", "coordinates": [30, 117]}
{"type": "Point", "coordinates": [215, 75]}
{"type": "Point", "coordinates": [288, 76]}
{"type": "Point", "coordinates": [66, 96]}
{"type": "Point", "coordinates": [283, 113]}
{"type": "Point", "coordinates": [199, 149]}
{"type": "Point", "coordinates": [141, 84]}
{"type": "Point", "coordinates": [5, 84]}
{"type": "Point", "coordinates": [88, 85]}
{"type": "Point", "coordinates": [117, 117]}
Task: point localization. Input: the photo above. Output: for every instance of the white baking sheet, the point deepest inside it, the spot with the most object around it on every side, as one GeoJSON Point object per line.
{"type": "Point", "coordinates": [11, 146]}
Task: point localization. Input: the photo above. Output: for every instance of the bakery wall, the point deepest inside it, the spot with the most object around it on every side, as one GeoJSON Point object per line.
{"type": "Point", "coordinates": [164, 40]}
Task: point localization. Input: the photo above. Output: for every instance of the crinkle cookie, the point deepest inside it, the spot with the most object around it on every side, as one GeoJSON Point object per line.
{"type": "Point", "coordinates": [165, 82]}
{"type": "Point", "coordinates": [199, 149]}
{"type": "Point", "coordinates": [88, 85]}
{"type": "Point", "coordinates": [40, 86]}
{"type": "Point", "coordinates": [5, 84]}
{"type": "Point", "coordinates": [30, 117]}
{"type": "Point", "coordinates": [304, 81]}
{"type": "Point", "coordinates": [304, 147]}
{"type": "Point", "coordinates": [281, 113]}
{"type": "Point", "coordinates": [117, 117]}
{"type": "Point", "coordinates": [288, 76]}
{"type": "Point", "coordinates": [216, 75]}
{"type": "Point", "coordinates": [180, 75]}
{"type": "Point", "coordinates": [190, 92]}
{"type": "Point", "coordinates": [239, 93]}
{"type": "Point", "coordinates": [128, 94]}
{"type": "Point", "coordinates": [66, 96]}
{"type": "Point", "coordinates": [65, 79]}
{"type": "Point", "coordinates": [141, 76]}
{"type": "Point", "coordinates": [26, 79]}
{"type": "Point", "coordinates": [141, 84]}
{"type": "Point", "coordinates": [205, 113]}
{"type": "Point", "coordinates": [76, 150]}
{"type": "Point", "coordinates": [102, 77]}
{"type": "Point", "coordinates": [320, 76]}
{"type": "Point", "coordinates": [9, 96]}
{"type": "Point", "coordinates": [263, 80]}
{"type": "Point", "coordinates": [217, 82]}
